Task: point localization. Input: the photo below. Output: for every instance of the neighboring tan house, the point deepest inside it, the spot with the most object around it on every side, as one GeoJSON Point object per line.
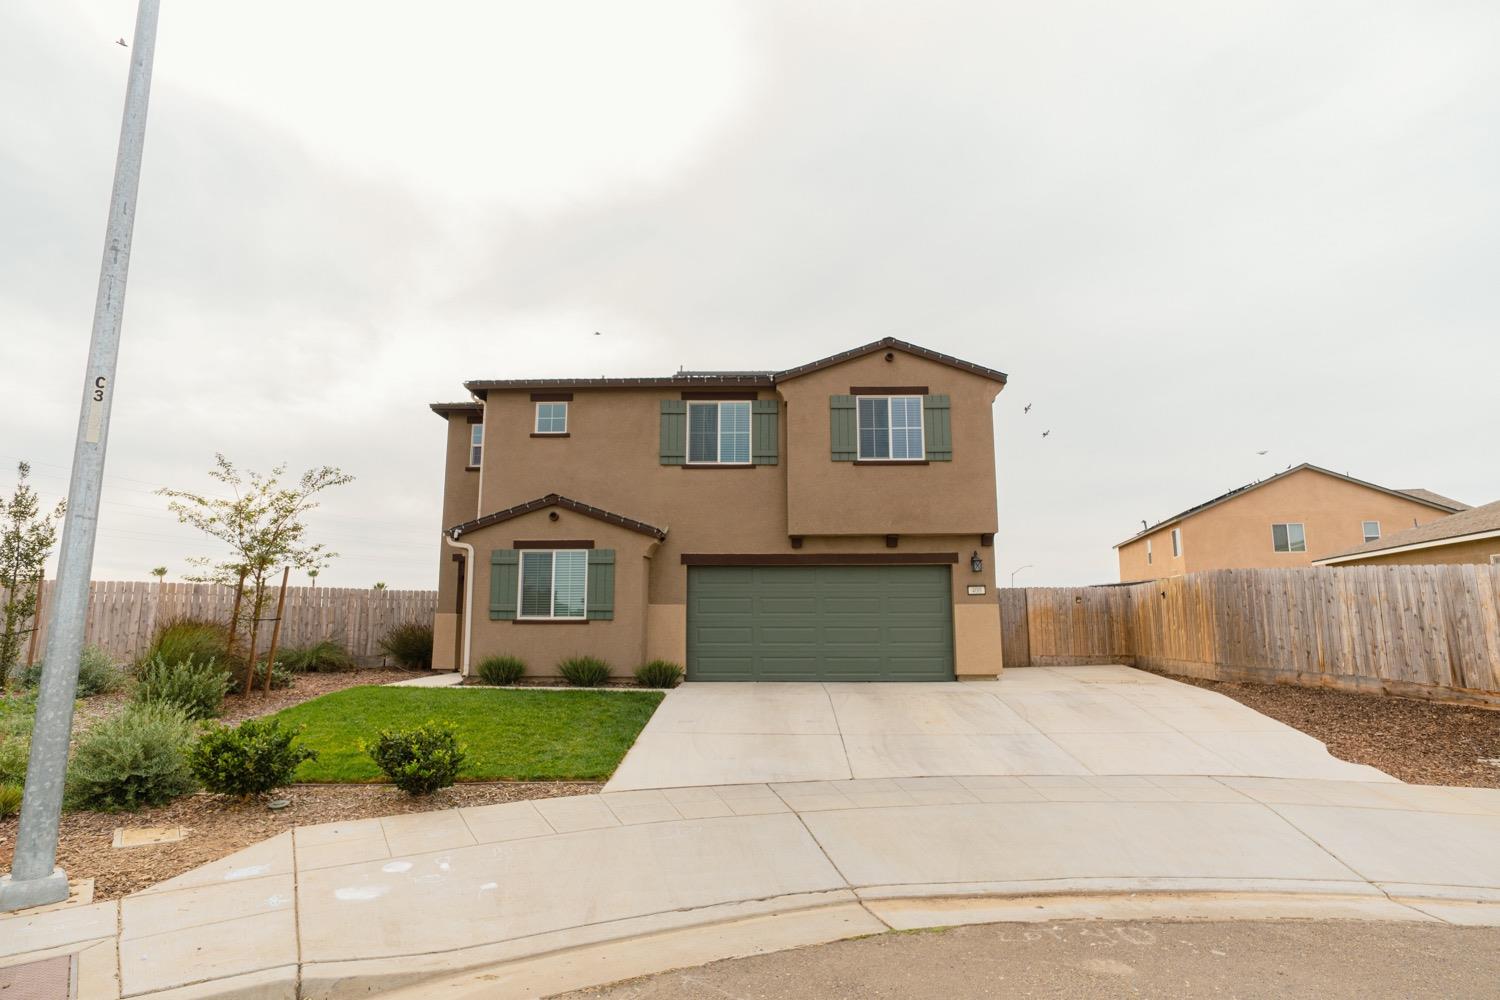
{"type": "Point", "coordinates": [1290, 519]}
{"type": "Point", "coordinates": [1470, 536]}
{"type": "Point", "coordinates": [833, 521]}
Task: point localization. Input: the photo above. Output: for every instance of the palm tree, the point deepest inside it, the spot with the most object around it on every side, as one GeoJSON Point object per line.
{"type": "Point", "coordinates": [312, 575]}
{"type": "Point", "coordinates": [379, 585]}
{"type": "Point", "coordinates": [160, 573]}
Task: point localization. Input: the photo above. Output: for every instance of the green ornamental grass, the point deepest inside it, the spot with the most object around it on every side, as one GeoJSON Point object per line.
{"type": "Point", "coordinates": [658, 674]}
{"type": "Point", "coordinates": [584, 671]}
{"type": "Point", "coordinates": [501, 670]}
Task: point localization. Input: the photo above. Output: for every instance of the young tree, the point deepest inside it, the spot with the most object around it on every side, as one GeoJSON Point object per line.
{"type": "Point", "coordinates": [160, 572]}
{"type": "Point", "coordinates": [261, 524]}
{"type": "Point", "coordinates": [26, 538]}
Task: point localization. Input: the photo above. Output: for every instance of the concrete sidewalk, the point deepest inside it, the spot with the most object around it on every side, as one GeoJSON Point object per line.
{"type": "Point", "coordinates": [530, 898]}
{"type": "Point", "coordinates": [1099, 720]}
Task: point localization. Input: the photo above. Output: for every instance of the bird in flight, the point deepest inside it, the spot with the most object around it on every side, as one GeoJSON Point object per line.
{"type": "Point", "coordinates": [1045, 433]}
{"type": "Point", "coordinates": [1263, 452]}
{"type": "Point", "coordinates": [596, 333]}
{"type": "Point", "coordinates": [1026, 408]}
{"type": "Point", "coordinates": [121, 42]}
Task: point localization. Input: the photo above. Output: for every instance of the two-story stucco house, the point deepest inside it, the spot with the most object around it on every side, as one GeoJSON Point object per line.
{"type": "Point", "coordinates": [830, 521]}
{"type": "Point", "coordinates": [1290, 519]}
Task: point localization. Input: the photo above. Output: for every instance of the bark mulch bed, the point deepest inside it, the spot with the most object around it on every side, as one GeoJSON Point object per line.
{"type": "Point", "coordinates": [217, 826]}
{"type": "Point", "coordinates": [1421, 742]}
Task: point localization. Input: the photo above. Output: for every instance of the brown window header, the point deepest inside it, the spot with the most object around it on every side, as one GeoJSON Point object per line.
{"type": "Point", "coordinates": [562, 435]}
{"type": "Point", "coordinates": [727, 395]}
{"type": "Point", "coordinates": [888, 390]}
{"type": "Point", "coordinates": [547, 543]}
{"type": "Point", "coordinates": [551, 397]}
{"type": "Point", "coordinates": [819, 558]}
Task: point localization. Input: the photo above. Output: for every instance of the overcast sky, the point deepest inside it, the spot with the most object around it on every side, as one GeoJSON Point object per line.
{"type": "Point", "coordinates": [1189, 231]}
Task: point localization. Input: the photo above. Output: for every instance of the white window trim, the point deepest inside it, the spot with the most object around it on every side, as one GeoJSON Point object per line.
{"type": "Point", "coordinates": [1301, 526]}
{"type": "Point", "coordinates": [1364, 530]}
{"type": "Point", "coordinates": [1176, 543]}
{"type": "Point", "coordinates": [890, 431]}
{"type": "Point", "coordinates": [552, 591]}
{"type": "Point", "coordinates": [718, 458]}
{"type": "Point", "coordinates": [476, 431]}
{"type": "Point", "coordinates": [536, 416]}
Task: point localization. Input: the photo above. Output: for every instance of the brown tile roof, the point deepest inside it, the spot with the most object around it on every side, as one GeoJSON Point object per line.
{"type": "Point", "coordinates": [1438, 498]}
{"type": "Point", "coordinates": [556, 500]}
{"type": "Point", "coordinates": [727, 379]}
{"type": "Point", "coordinates": [1421, 496]}
{"type": "Point", "coordinates": [1445, 530]}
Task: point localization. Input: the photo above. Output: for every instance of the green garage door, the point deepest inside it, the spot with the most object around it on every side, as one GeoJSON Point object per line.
{"type": "Point", "coordinates": [819, 623]}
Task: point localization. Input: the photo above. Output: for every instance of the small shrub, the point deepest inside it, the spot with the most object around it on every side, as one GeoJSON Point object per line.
{"type": "Point", "coordinates": [196, 689]}
{"type": "Point", "coordinates": [16, 716]}
{"type": "Point", "coordinates": [10, 800]}
{"type": "Point", "coordinates": [249, 759]}
{"type": "Point", "coordinates": [280, 677]}
{"type": "Point", "coordinates": [584, 671]}
{"type": "Point", "coordinates": [325, 657]}
{"type": "Point", "coordinates": [658, 674]}
{"type": "Point", "coordinates": [419, 761]}
{"type": "Point", "coordinates": [502, 670]}
{"type": "Point", "coordinates": [409, 645]}
{"type": "Point", "coordinates": [138, 758]}
{"type": "Point", "coordinates": [97, 673]}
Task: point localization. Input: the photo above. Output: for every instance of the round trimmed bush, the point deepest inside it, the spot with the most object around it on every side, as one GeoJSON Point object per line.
{"type": "Point", "coordinates": [502, 669]}
{"type": "Point", "coordinates": [249, 759]}
{"type": "Point", "coordinates": [584, 671]}
{"type": "Point", "coordinates": [658, 674]}
{"type": "Point", "coordinates": [138, 758]}
{"type": "Point", "coordinates": [419, 761]}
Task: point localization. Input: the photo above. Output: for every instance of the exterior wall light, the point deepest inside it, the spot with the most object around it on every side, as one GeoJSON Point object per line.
{"type": "Point", "coordinates": [976, 563]}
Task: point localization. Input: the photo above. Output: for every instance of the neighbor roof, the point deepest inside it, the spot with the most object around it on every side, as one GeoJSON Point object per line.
{"type": "Point", "coordinates": [443, 409]}
{"type": "Point", "coordinates": [1466, 525]}
{"type": "Point", "coordinates": [556, 500]}
{"type": "Point", "coordinates": [1420, 496]}
{"type": "Point", "coordinates": [734, 379]}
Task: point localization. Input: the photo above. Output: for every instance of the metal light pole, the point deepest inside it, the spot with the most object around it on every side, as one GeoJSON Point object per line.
{"type": "Point", "coordinates": [1017, 570]}
{"type": "Point", "coordinates": [34, 880]}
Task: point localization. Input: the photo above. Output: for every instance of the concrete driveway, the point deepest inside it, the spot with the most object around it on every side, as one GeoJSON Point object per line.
{"type": "Point", "coordinates": [1096, 720]}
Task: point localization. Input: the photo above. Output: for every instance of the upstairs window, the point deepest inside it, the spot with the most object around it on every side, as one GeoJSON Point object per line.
{"type": "Point", "coordinates": [1288, 538]}
{"type": "Point", "coordinates": [1148, 552]}
{"type": "Point", "coordinates": [1372, 531]}
{"type": "Point", "coordinates": [718, 433]}
{"type": "Point", "coordinates": [553, 583]}
{"type": "Point", "coordinates": [476, 444]}
{"type": "Point", "coordinates": [1176, 542]}
{"type": "Point", "coordinates": [552, 418]}
{"type": "Point", "coordinates": [890, 428]}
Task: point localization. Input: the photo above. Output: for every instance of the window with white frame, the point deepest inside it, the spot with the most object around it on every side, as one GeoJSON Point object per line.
{"type": "Point", "coordinates": [552, 418]}
{"type": "Point", "coordinates": [1288, 538]}
{"type": "Point", "coordinates": [1372, 530]}
{"type": "Point", "coordinates": [890, 427]}
{"type": "Point", "coordinates": [553, 583]}
{"type": "Point", "coordinates": [1176, 542]}
{"type": "Point", "coordinates": [476, 444]}
{"type": "Point", "coordinates": [1148, 552]}
{"type": "Point", "coordinates": [719, 433]}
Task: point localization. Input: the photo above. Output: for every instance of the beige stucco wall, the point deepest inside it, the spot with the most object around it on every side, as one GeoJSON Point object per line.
{"type": "Point", "coordinates": [1477, 552]}
{"type": "Point", "coordinates": [1236, 534]}
{"type": "Point", "coordinates": [610, 459]}
{"type": "Point", "coordinates": [844, 498]}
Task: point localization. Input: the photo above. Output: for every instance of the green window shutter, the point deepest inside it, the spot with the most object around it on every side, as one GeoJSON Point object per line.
{"type": "Point", "coordinates": [765, 438]}
{"type": "Point", "coordinates": [843, 431]}
{"type": "Point", "coordinates": [505, 582]}
{"type": "Point", "coordinates": [673, 431]}
{"type": "Point", "coordinates": [937, 429]}
{"type": "Point", "coordinates": [601, 595]}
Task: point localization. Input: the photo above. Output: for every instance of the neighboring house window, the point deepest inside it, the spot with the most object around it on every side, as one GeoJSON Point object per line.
{"type": "Point", "coordinates": [553, 583]}
{"type": "Point", "coordinates": [719, 433]}
{"type": "Point", "coordinates": [1148, 552]}
{"type": "Point", "coordinates": [890, 427]}
{"type": "Point", "coordinates": [1176, 542]}
{"type": "Point", "coordinates": [552, 418]}
{"type": "Point", "coordinates": [1372, 530]}
{"type": "Point", "coordinates": [476, 444]}
{"type": "Point", "coordinates": [1288, 538]}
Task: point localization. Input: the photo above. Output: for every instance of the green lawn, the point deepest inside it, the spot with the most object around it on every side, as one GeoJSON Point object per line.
{"type": "Point", "coordinates": [507, 735]}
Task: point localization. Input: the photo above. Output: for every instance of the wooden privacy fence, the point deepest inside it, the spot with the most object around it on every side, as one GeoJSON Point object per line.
{"type": "Point", "coordinates": [1421, 630]}
{"type": "Point", "coordinates": [124, 614]}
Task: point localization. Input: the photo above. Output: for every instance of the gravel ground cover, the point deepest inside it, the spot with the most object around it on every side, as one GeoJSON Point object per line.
{"type": "Point", "coordinates": [1421, 742]}
{"type": "Point", "coordinates": [217, 826]}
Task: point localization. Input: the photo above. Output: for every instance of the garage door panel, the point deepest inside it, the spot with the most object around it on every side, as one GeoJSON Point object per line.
{"type": "Point", "coordinates": [839, 623]}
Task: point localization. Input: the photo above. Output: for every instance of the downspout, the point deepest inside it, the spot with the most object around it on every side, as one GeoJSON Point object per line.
{"type": "Point", "coordinates": [463, 668]}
